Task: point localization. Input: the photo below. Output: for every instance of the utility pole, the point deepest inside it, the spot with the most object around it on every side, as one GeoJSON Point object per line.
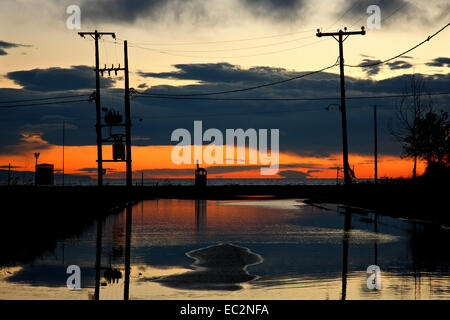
{"type": "Point", "coordinates": [129, 218]}
{"type": "Point", "coordinates": [63, 147]}
{"type": "Point", "coordinates": [9, 174]}
{"type": "Point", "coordinates": [340, 39]}
{"type": "Point", "coordinates": [127, 119]}
{"type": "Point", "coordinates": [337, 176]}
{"type": "Point", "coordinates": [127, 124]}
{"type": "Point", "coordinates": [96, 36]}
{"type": "Point", "coordinates": [36, 156]}
{"type": "Point", "coordinates": [375, 144]}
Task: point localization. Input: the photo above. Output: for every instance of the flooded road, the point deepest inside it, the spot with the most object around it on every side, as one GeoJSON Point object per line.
{"type": "Point", "coordinates": [246, 249]}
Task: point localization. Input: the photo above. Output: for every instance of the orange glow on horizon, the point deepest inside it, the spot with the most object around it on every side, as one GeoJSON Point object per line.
{"type": "Point", "coordinates": [156, 160]}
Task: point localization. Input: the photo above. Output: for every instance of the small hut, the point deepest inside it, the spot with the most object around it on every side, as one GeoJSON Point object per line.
{"type": "Point", "coordinates": [200, 177]}
{"type": "Point", "coordinates": [45, 174]}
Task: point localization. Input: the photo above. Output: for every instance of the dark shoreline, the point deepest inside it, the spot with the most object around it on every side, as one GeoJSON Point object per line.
{"type": "Point", "coordinates": [402, 199]}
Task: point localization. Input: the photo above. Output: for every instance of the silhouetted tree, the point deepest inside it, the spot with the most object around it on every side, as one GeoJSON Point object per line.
{"type": "Point", "coordinates": [410, 110]}
{"type": "Point", "coordinates": [433, 139]}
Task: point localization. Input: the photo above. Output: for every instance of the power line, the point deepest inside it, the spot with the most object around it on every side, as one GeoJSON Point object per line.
{"type": "Point", "coordinates": [239, 99]}
{"type": "Point", "coordinates": [238, 90]}
{"type": "Point", "coordinates": [227, 57]}
{"type": "Point", "coordinates": [395, 11]}
{"type": "Point", "coordinates": [295, 78]}
{"type": "Point", "coordinates": [219, 41]}
{"type": "Point", "coordinates": [42, 104]}
{"type": "Point", "coordinates": [232, 49]}
{"type": "Point", "coordinates": [344, 14]}
{"type": "Point", "coordinates": [44, 99]}
{"type": "Point", "coordinates": [233, 113]}
{"type": "Point", "coordinates": [401, 54]}
{"type": "Point", "coordinates": [203, 115]}
{"type": "Point", "coordinates": [290, 99]}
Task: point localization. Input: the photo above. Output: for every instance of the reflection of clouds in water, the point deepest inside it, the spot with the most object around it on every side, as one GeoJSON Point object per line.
{"type": "Point", "coordinates": [324, 236]}
{"type": "Point", "coordinates": [218, 267]}
{"type": "Point", "coordinates": [273, 204]}
{"type": "Point", "coordinates": [274, 234]}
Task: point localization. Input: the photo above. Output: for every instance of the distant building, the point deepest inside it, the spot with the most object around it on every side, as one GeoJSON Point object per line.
{"type": "Point", "coordinates": [200, 177]}
{"type": "Point", "coordinates": [45, 174]}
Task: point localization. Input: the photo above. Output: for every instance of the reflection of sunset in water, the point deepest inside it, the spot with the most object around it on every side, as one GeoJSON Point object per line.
{"type": "Point", "coordinates": [300, 249]}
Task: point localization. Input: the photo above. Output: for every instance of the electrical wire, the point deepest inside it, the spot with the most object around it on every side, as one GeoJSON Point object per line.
{"type": "Point", "coordinates": [395, 11]}
{"type": "Point", "coordinates": [401, 54]}
{"type": "Point", "coordinates": [292, 99]}
{"type": "Point", "coordinates": [228, 57]}
{"type": "Point", "coordinates": [344, 14]}
{"type": "Point", "coordinates": [42, 104]}
{"type": "Point", "coordinates": [232, 49]}
{"type": "Point", "coordinates": [242, 89]}
{"type": "Point", "coordinates": [233, 113]}
{"type": "Point", "coordinates": [203, 115]}
{"type": "Point", "coordinates": [221, 41]}
{"type": "Point", "coordinates": [298, 77]}
{"type": "Point", "coordinates": [44, 99]}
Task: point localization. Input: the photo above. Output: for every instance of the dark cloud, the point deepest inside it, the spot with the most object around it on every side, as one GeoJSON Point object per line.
{"type": "Point", "coordinates": [392, 12]}
{"type": "Point", "coordinates": [292, 174]}
{"type": "Point", "coordinates": [57, 79]}
{"type": "Point", "coordinates": [218, 73]}
{"type": "Point", "coordinates": [6, 167]}
{"type": "Point", "coordinates": [439, 62]}
{"type": "Point", "coordinates": [368, 68]}
{"type": "Point", "coordinates": [9, 45]}
{"type": "Point", "coordinates": [399, 64]}
{"type": "Point", "coordinates": [95, 170]}
{"type": "Point", "coordinates": [211, 170]}
{"type": "Point", "coordinates": [306, 128]}
{"type": "Point", "coordinates": [219, 170]}
{"type": "Point", "coordinates": [279, 10]}
{"type": "Point", "coordinates": [130, 11]}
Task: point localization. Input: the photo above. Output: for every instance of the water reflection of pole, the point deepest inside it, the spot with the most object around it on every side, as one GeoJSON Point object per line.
{"type": "Point", "coordinates": [416, 274]}
{"type": "Point", "coordinates": [200, 215]}
{"type": "Point", "coordinates": [376, 239]}
{"type": "Point", "coordinates": [347, 227]}
{"type": "Point", "coordinates": [126, 290]}
{"type": "Point", "coordinates": [98, 260]}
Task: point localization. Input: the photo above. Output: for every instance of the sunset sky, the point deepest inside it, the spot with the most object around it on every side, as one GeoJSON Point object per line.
{"type": "Point", "coordinates": [193, 46]}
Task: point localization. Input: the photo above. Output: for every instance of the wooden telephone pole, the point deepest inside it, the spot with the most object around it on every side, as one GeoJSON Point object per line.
{"type": "Point", "coordinates": [375, 144]}
{"type": "Point", "coordinates": [127, 118]}
{"type": "Point", "coordinates": [96, 36]}
{"type": "Point", "coordinates": [340, 34]}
